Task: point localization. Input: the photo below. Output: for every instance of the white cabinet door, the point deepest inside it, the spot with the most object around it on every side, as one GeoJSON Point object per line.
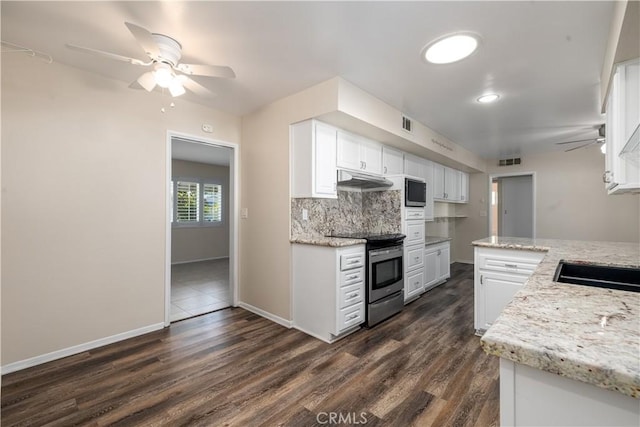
{"type": "Point", "coordinates": [325, 161]}
{"type": "Point", "coordinates": [464, 187]}
{"type": "Point", "coordinates": [430, 267]}
{"type": "Point", "coordinates": [392, 161]}
{"type": "Point", "coordinates": [497, 290]}
{"type": "Point", "coordinates": [348, 156]}
{"type": "Point", "coordinates": [371, 156]}
{"type": "Point", "coordinates": [428, 178]}
{"type": "Point", "coordinates": [438, 181]}
{"type": "Point", "coordinates": [444, 259]}
{"type": "Point", "coordinates": [413, 284]}
{"type": "Point", "coordinates": [414, 166]}
{"type": "Point", "coordinates": [451, 185]}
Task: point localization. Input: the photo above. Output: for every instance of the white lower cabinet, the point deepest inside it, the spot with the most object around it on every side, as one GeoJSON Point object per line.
{"type": "Point", "coordinates": [436, 264]}
{"type": "Point", "coordinates": [328, 290]}
{"type": "Point", "coordinates": [413, 253]}
{"type": "Point", "coordinates": [498, 275]}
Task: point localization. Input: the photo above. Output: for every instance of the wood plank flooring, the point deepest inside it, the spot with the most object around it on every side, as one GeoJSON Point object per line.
{"type": "Point", "coordinates": [423, 367]}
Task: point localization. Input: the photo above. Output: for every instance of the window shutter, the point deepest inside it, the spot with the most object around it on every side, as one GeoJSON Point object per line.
{"type": "Point", "coordinates": [212, 203]}
{"type": "Point", "coordinates": [187, 201]}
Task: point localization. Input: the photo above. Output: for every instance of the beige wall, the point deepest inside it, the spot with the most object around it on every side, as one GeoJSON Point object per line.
{"type": "Point", "coordinates": [571, 202]}
{"type": "Point", "coordinates": [83, 204]}
{"type": "Point", "coordinates": [264, 235]}
{"type": "Point", "coordinates": [199, 243]}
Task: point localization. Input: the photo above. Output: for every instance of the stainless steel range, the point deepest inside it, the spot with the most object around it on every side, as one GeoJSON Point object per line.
{"type": "Point", "coordinates": [384, 278]}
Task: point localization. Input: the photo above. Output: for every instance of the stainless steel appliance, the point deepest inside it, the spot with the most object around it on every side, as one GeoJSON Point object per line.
{"type": "Point", "coordinates": [415, 193]}
{"type": "Point", "coordinates": [383, 275]}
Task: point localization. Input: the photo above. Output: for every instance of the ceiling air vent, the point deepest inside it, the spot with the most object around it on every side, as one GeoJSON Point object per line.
{"type": "Point", "coordinates": [509, 162]}
{"type": "Point", "coordinates": [406, 124]}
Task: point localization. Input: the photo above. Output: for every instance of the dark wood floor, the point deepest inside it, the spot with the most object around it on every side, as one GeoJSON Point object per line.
{"type": "Point", "coordinates": [424, 367]}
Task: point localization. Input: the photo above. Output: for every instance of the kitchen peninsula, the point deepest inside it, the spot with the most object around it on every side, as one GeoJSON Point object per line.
{"type": "Point", "coordinates": [570, 354]}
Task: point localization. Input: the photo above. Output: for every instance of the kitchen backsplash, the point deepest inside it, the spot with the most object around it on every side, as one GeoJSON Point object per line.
{"type": "Point", "coordinates": [352, 211]}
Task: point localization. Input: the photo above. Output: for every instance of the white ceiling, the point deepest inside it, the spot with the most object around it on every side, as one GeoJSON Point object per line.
{"type": "Point", "coordinates": [544, 58]}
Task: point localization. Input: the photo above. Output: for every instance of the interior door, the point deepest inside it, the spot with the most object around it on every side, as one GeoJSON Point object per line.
{"type": "Point", "coordinates": [516, 206]}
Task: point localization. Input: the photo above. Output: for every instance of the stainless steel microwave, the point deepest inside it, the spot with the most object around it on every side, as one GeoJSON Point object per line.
{"type": "Point", "coordinates": [415, 192]}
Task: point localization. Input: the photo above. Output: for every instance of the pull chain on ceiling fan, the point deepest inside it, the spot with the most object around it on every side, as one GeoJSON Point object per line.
{"type": "Point", "coordinates": [164, 55]}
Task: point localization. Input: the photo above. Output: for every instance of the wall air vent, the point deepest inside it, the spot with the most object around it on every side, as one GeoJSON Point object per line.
{"type": "Point", "coordinates": [406, 124]}
{"type": "Point", "coordinates": [509, 162]}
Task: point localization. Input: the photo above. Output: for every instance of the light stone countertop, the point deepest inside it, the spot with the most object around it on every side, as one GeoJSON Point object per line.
{"type": "Point", "coordinates": [335, 242]}
{"type": "Point", "coordinates": [585, 333]}
{"type": "Point", "coordinates": [432, 240]}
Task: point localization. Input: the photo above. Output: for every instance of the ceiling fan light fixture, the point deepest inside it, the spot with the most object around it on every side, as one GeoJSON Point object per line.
{"type": "Point", "coordinates": [451, 48]}
{"type": "Point", "coordinates": [488, 98]}
{"type": "Point", "coordinates": [147, 81]}
{"type": "Point", "coordinates": [163, 75]}
{"type": "Point", "coordinates": [176, 88]}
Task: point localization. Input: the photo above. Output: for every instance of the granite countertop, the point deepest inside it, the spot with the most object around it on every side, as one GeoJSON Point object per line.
{"type": "Point", "coordinates": [432, 240]}
{"type": "Point", "coordinates": [335, 242]}
{"type": "Point", "coordinates": [580, 332]}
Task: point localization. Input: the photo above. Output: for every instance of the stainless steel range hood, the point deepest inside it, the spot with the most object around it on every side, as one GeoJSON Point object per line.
{"type": "Point", "coordinates": [361, 180]}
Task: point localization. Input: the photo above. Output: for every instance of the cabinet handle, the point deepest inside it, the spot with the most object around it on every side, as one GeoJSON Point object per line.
{"type": "Point", "coordinates": [439, 252]}
{"type": "Point", "coordinates": [365, 165]}
{"type": "Point", "coordinates": [605, 177]}
{"type": "Point", "coordinates": [355, 261]}
{"type": "Point", "coordinates": [416, 258]}
{"type": "Point", "coordinates": [353, 276]}
{"type": "Point", "coordinates": [511, 266]}
{"type": "Point", "coordinates": [353, 295]}
{"type": "Point", "coordinates": [353, 316]}
{"type": "Point", "coordinates": [481, 280]}
{"type": "Point", "coordinates": [385, 169]}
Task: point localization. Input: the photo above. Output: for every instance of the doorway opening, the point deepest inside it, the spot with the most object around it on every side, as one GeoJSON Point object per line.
{"type": "Point", "coordinates": [512, 209]}
{"type": "Point", "coordinates": [201, 231]}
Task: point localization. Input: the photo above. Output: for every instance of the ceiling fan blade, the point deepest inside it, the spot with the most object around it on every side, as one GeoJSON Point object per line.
{"type": "Point", "coordinates": [195, 87]}
{"type": "Point", "coordinates": [107, 54]}
{"type": "Point", "coordinates": [135, 85]}
{"type": "Point", "coordinates": [578, 140]}
{"type": "Point", "coordinates": [206, 70]}
{"type": "Point", "coordinates": [145, 39]}
{"type": "Point", "coordinates": [579, 146]}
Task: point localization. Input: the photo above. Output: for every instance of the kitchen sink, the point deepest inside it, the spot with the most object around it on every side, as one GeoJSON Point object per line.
{"type": "Point", "coordinates": [621, 278]}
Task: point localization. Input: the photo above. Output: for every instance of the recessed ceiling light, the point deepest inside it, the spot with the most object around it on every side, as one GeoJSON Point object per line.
{"type": "Point", "coordinates": [450, 48]}
{"type": "Point", "coordinates": [490, 97]}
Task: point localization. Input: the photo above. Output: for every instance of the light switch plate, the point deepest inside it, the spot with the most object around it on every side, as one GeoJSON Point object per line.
{"type": "Point", "coordinates": [305, 214]}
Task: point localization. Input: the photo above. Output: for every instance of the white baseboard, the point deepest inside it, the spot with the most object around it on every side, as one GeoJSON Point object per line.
{"type": "Point", "coordinates": [199, 260]}
{"type": "Point", "coordinates": [260, 312]}
{"type": "Point", "coordinates": [69, 351]}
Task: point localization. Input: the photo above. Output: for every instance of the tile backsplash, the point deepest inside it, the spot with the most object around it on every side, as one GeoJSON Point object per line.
{"type": "Point", "coordinates": [352, 211]}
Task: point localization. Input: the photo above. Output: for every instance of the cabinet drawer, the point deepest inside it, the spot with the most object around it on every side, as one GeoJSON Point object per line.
{"type": "Point", "coordinates": [350, 295]}
{"type": "Point", "coordinates": [414, 213]}
{"type": "Point", "coordinates": [415, 233]}
{"type": "Point", "coordinates": [413, 283]}
{"type": "Point", "coordinates": [350, 316]}
{"type": "Point", "coordinates": [413, 257]}
{"type": "Point", "coordinates": [349, 261]}
{"type": "Point", "coordinates": [351, 277]}
{"type": "Point", "coordinates": [512, 262]}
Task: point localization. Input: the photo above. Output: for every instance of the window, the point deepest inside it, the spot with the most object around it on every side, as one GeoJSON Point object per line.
{"type": "Point", "coordinates": [196, 202]}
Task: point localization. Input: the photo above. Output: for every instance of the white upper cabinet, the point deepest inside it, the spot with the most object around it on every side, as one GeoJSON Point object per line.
{"type": "Point", "coordinates": [414, 166]}
{"type": "Point", "coordinates": [622, 131]}
{"type": "Point", "coordinates": [464, 187]}
{"type": "Point", "coordinates": [392, 161]}
{"type": "Point", "coordinates": [358, 153]}
{"type": "Point", "coordinates": [451, 185]}
{"type": "Point", "coordinates": [313, 160]}
{"type": "Point", "coordinates": [438, 181]}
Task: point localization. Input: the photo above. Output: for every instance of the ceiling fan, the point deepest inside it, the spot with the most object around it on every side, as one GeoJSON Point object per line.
{"type": "Point", "coordinates": [164, 55]}
{"type": "Point", "coordinates": [589, 141]}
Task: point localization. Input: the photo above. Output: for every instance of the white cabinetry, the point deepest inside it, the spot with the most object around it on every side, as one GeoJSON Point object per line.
{"type": "Point", "coordinates": [413, 227]}
{"type": "Point", "coordinates": [328, 290]}
{"type": "Point", "coordinates": [392, 161]}
{"type": "Point", "coordinates": [436, 264]}
{"type": "Point", "coordinates": [359, 153]}
{"type": "Point", "coordinates": [498, 275]}
{"type": "Point", "coordinates": [428, 179]}
{"type": "Point", "coordinates": [532, 397]}
{"type": "Point", "coordinates": [313, 160]}
{"type": "Point", "coordinates": [414, 166]}
{"type": "Point", "coordinates": [622, 172]}
{"type": "Point", "coordinates": [450, 185]}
